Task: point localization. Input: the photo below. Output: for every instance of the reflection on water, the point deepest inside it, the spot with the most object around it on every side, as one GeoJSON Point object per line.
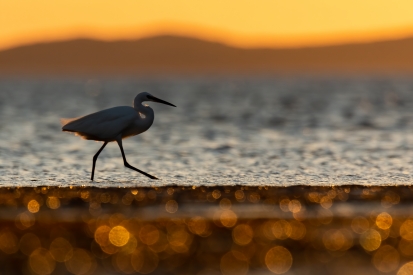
{"type": "Point", "coordinates": [206, 230]}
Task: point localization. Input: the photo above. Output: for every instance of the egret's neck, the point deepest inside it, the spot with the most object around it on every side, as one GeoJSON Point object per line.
{"type": "Point", "coordinates": [146, 113]}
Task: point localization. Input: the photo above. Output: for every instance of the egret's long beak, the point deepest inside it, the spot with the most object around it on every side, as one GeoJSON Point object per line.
{"type": "Point", "coordinates": [155, 99]}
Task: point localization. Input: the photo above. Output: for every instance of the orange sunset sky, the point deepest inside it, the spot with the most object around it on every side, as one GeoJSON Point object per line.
{"type": "Point", "coordinates": [245, 23]}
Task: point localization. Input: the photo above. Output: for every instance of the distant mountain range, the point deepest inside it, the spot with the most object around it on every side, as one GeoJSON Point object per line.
{"type": "Point", "coordinates": [171, 55]}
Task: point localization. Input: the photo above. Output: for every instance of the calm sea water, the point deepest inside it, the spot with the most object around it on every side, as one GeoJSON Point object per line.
{"type": "Point", "coordinates": [254, 131]}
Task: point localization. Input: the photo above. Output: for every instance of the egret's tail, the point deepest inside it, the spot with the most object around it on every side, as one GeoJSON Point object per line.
{"type": "Point", "coordinates": [67, 126]}
{"type": "Point", "coordinates": [64, 121]}
{"type": "Point", "coordinates": [72, 125]}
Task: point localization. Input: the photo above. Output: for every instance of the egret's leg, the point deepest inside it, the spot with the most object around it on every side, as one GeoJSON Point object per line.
{"type": "Point", "coordinates": [95, 157]}
{"type": "Point", "coordinates": [119, 141]}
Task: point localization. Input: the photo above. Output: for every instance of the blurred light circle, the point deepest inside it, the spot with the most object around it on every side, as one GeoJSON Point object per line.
{"type": "Point", "coordinates": [225, 204]}
{"type": "Point", "coordinates": [284, 205]}
{"type": "Point", "coordinates": [278, 260]}
{"type": "Point", "coordinates": [360, 224]}
{"type": "Point", "coordinates": [242, 234]}
{"type": "Point", "coordinates": [149, 234]}
{"type": "Point", "coordinates": [234, 263]}
{"type": "Point", "coordinates": [179, 239]}
{"type": "Point", "coordinates": [80, 263]}
{"type": "Point", "coordinates": [25, 220]}
{"type": "Point", "coordinates": [406, 269]}
{"type": "Point", "coordinates": [53, 202]}
{"type": "Point", "coordinates": [110, 248]}
{"type": "Point", "coordinates": [228, 218]}
{"type": "Point", "coordinates": [41, 262]}
{"type": "Point", "coordinates": [33, 206]}
{"type": "Point", "coordinates": [123, 262]}
{"type": "Point", "coordinates": [198, 225]}
{"type": "Point", "coordinates": [324, 216]}
{"type": "Point", "coordinates": [171, 206]}
{"type": "Point", "coordinates": [406, 247]}
{"type": "Point", "coordinates": [294, 206]}
{"type": "Point", "coordinates": [406, 230]}
{"type": "Point", "coordinates": [338, 239]}
{"type": "Point", "coordinates": [119, 236]}
{"type": "Point", "coordinates": [61, 250]}
{"type": "Point", "coordinates": [390, 199]}
{"type": "Point", "coordinates": [370, 240]}
{"type": "Point", "coordinates": [102, 235]}
{"type": "Point", "coordinates": [333, 240]}
{"type": "Point", "coordinates": [161, 244]}
{"type": "Point", "coordinates": [266, 230]}
{"type": "Point", "coordinates": [326, 202]}
{"type": "Point", "coordinates": [239, 195]}
{"type": "Point", "coordinates": [137, 259]}
{"type": "Point", "coordinates": [281, 229]}
{"type": "Point", "coordinates": [8, 242]}
{"type": "Point", "coordinates": [216, 194]}
{"type": "Point", "coordinates": [298, 230]}
{"type": "Point", "coordinates": [130, 246]}
{"type": "Point", "coordinates": [145, 261]}
{"type": "Point", "coordinates": [254, 197]}
{"type": "Point", "coordinates": [384, 221]}
{"type": "Point", "coordinates": [386, 259]}
{"type": "Point", "coordinates": [28, 243]}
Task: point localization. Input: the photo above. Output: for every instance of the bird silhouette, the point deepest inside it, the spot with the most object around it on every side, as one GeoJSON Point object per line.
{"type": "Point", "coordinates": [115, 124]}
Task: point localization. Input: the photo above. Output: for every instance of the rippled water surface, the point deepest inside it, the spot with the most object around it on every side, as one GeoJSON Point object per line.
{"type": "Point", "coordinates": [223, 132]}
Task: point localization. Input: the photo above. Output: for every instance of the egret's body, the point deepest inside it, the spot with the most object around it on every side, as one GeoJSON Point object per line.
{"type": "Point", "coordinates": [107, 124]}
{"type": "Point", "coordinates": [115, 124]}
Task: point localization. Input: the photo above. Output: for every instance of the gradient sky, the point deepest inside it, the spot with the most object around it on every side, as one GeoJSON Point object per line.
{"type": "Point", "coordinates": [246, 23]}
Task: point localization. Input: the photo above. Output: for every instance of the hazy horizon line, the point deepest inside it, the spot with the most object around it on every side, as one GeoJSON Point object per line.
{"type": "Point", "coordinates": [206, 39]}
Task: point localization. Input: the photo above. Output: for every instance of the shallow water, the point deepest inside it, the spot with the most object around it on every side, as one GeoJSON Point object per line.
{"type": "Point", "coordinates": [252, 131]}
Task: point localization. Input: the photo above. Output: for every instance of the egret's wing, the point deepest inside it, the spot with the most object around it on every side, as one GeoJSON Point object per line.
{"type": "Point", "coordinates": [103, 125]}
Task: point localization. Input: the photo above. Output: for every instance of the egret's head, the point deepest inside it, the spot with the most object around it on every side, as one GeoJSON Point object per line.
{"type": "Point", "coordinates": [145, 96]}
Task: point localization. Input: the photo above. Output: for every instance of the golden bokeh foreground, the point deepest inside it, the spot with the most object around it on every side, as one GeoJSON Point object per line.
{"type": "Point", "coordinates": [214, 230]}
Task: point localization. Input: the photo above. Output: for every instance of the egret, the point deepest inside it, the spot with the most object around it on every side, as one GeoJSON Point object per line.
{"type": "Point", "coordinates": [115, 124]}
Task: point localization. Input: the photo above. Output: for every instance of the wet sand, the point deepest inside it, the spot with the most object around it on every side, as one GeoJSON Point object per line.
{"type": "Point", "coordinates": [254, 131]}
